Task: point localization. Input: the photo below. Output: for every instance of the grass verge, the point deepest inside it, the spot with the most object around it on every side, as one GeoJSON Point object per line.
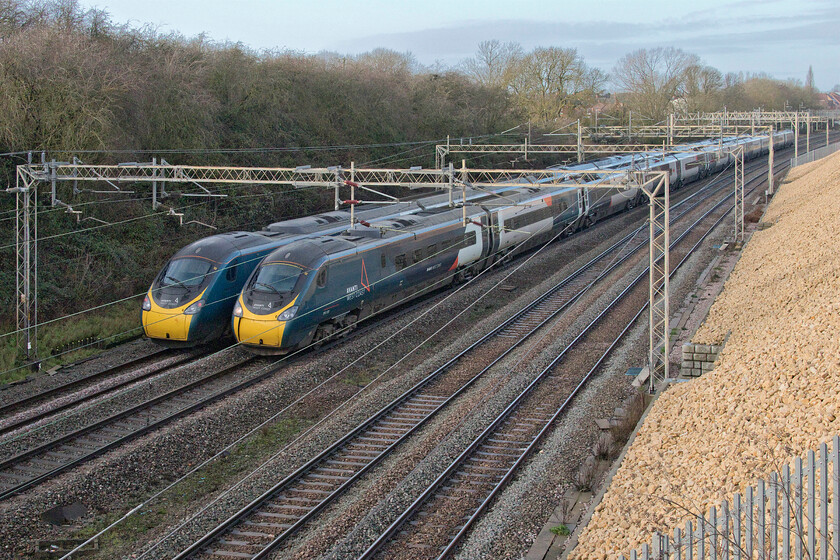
{"type": "Point", "coordinates": [177, 502]}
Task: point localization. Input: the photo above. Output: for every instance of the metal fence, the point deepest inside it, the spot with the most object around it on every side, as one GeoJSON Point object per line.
{"type": "Point", "coordinates": [791, 515]}
{"type": "Point", "coordinates": [814, 155]}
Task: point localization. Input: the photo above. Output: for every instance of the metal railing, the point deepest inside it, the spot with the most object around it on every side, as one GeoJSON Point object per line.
{"type": "Point", "coordinates": [788, 515]}
{"type": "Point", "coordinates": [814, 155]}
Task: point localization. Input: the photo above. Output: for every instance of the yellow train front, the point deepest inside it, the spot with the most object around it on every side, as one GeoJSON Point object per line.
{"type": "Point", "coordinates": [274, 313]}
{"type": "Point", "coordinates": [312, 289]}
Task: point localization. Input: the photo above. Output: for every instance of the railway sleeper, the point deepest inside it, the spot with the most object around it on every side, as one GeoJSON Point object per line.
{"type": "Point", "coordinates": [252, 534]}
{"type": "Point", "coordinates": [484, 467]}
{"type": "Point", "coordinates": [361, 450]}
{"type": "Point", "coordinates": [415, 416]}
{"type": "Point", "coordinates": [421, 406]}
{"type": "Point", "coordinates": [459, 489]}
{"type": "Point", "coordinates": [327, 476]}
{"type": "Point", "coordinates": [477, 474]}
{"type": "Point", "coordinates": [311, 491]}
{"type": "Point", "coordinates": [229, 554]}
{"type": "Point", "coordinates": [73, 450]}
{"type": "Point", "coordinates": [308, 482]}
{"type": "Point", "coordinates": [487, 460]}
{"type": "Point", "coordinates": [296, 499]}
{"type": "Point", "coordinates": [388, 437]}
{"type": "Point", "coordinates": [353, 458]}
{"type": "Point", "coordinates": [331, 469]}
{"type": "Point", "coordinates": [45, 462]}
{"type": "Point", "coordinates": [460, 482]}
{"type": "Point", "coordinates": [388, 431]}
{"type": "Point", "coordinates": [373, 442]}
{"type": "Point", "coordinates": [227, 542]}
{"type": "Point", "coordinates": [14, 477]}
{"type": "Point", "coordinates": [398, 424]}
{"type": "Point", "coordinates": [496, 452]}
{"type": "Point", "coordinates": [353, 463]}
{"type": "Point", "coordinates": [294, 507]}
{"type": "Point", "coordinates": [273, 515]}
{"type": "Point", "coordinates": [266, 524]}
{"type": "Point", "coordinates": [504, 442]}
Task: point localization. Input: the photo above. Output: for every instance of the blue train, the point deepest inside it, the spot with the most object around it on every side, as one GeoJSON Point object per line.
{"type": "Point", "coordinates": [192, 299]}
{"type": "Point", "coordinates": [309, 290]}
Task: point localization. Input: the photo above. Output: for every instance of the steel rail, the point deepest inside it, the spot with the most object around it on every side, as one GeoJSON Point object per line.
{"type": "Point", "coordinates": [329, 454]}
{"type": "Point", "coordinates": [89, 397]}
{"type": "Point", "coordinates": [9, 407]}
{"type": "Point", "coordinates": [375, 547]}
{"type": "Point", "coordinates": [40, 450]}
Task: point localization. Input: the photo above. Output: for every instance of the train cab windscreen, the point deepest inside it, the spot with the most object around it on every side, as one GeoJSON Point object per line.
{"type": "Point", "coordinates": [277, 277]}
{"type": "Point", "coordinates": [181, 280]}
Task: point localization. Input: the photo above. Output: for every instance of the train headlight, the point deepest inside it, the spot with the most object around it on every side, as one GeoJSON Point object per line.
{"type": "Point", "coordinates": [147, 304]}
{"type": "Point", "coordinates": [288, 314]}
{"type": "Point", "coordinates": [237, 310]}
{"type": "Point", "coordinates": [194, 308]}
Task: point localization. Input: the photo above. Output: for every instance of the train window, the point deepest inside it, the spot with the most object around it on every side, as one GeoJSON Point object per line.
{"type": "Point", "coordinates": [399, 262]}
{"type": "Point", "coordinates": [418, 255]}
{"type": "Point", "coordinates": [382, 260]}
{"type": "Point", "coordinates": [469, 238]}
{"type": "Point", "coordinates": [322, 278]}
{"type": "Point", "coordinates": [231, 273]}
{"type": "Point", "coordinates": [431, 250]}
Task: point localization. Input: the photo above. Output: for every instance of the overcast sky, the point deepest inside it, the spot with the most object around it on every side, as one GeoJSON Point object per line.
{"type": "Point", "coordinates": [779, 37]}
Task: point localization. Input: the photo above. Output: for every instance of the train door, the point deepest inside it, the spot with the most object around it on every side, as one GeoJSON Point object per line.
{"type": "Point", "coordinates": [476, 238]}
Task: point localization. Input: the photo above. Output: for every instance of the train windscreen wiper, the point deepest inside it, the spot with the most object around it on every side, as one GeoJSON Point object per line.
{"type": "Point", "coordinates": [176, 281]}
{"type": "Point", "coordinates": [270, 287]}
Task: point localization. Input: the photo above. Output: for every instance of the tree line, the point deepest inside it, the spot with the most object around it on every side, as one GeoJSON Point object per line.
{"type": "Point", "coordinates": [71, 79]}
{"type": "Point", "coordinates": [74, 82]}
{"type": "Point", "coordinates": [551, 82]}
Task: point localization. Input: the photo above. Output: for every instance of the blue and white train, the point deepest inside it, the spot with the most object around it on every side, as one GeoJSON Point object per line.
{"type": "Point", "coordinates": [310, 289]}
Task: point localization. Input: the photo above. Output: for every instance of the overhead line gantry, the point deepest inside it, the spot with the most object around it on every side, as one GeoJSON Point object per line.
{"type": "Point", "coordinates": [654, 184]}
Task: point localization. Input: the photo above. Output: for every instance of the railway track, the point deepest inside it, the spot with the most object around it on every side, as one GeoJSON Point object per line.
{"type": "Point", "coordinates": [271, 519]}
{"type": "Point", "coordinates": [43, 462]}
{"type": "Point", "coordinates": [436, 522]}
{"type": "Point", "coordinates": [16, 411]}
{"type": "Point", "coordinates": [40, 463]}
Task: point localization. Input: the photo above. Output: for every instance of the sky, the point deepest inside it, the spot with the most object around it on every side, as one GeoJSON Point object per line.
{"type": "Point", "coordinates": [778, 37]}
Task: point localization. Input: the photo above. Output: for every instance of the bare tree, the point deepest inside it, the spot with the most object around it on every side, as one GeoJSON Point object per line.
{"type": "Point", "coordinates": [547, 81]}
{"type": "Point", "coordinates": [653, 78]}
{"type": "Point", "coordinates": [387, 61]}
{"type": "Point", "coordinates": [703, 88]}
{"type": "Point", "coordinates": [809, 79]}
{"type": "Point", "coordinates": [492, 64]}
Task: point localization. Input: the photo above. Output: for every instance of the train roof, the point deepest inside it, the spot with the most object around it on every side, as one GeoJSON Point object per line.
{"type": "Point", "coordinates": [219, 248]}
{"type": "Point", "coordinates": [312, 248]}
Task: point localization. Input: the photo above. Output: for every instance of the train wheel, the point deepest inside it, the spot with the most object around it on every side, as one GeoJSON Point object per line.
{"type": "Point", "coordinates": [324, 332]}
{"type": "Point", "coordinates": [349, 323]}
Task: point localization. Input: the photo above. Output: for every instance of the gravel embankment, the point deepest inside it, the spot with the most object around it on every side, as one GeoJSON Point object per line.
{"type": "Point", "coordinates": [774, 394]}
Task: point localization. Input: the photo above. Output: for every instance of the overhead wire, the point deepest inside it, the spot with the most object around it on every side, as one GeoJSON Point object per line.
{"type": "Point", "coordinates": [352, 398]}
{"type": "Point", "coordinates": [307, 431]}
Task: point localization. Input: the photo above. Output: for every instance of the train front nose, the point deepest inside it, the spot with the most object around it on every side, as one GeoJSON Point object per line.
{"type": "Point", "coordinates": [259, 330]}
{"type": "Point", "coordinates": [166, 324]}
{"type": "Point", "coordinates": [174, 323]}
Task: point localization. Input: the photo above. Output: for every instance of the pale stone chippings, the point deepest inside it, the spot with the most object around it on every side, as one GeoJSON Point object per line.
{"type": "Point", "coordinates": [776, 390]}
